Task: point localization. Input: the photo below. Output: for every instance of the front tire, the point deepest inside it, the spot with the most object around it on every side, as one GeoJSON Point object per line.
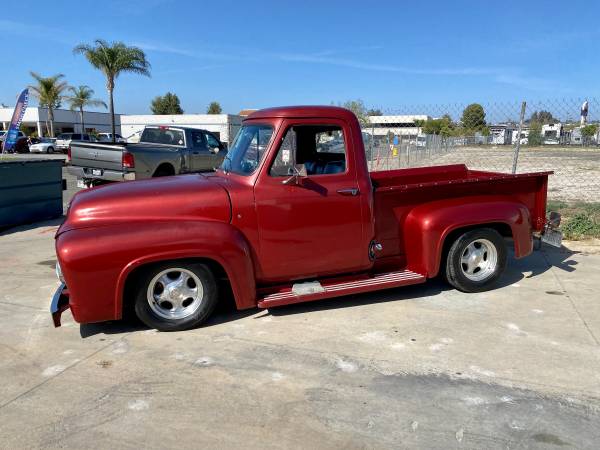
{"type": "Point", "coordinates": [175, 296]}
{"type": "Point", "coordinates": [476, 260]}
{"type": "Point", "coordinates": [50, 150]}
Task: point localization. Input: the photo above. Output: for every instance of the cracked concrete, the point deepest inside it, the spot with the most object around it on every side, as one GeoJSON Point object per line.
{"type": "Point", "coordinates": [421, 366]}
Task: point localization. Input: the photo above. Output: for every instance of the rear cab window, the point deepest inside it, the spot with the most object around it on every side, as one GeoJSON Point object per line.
{"type": "Point", "coordinates": [163, 135]}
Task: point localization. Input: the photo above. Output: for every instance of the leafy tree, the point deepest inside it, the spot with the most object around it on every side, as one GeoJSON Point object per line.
{"type": "Point", "coordinates": [166, 104]}
{"type": "Point", "coordinates": [214, 108]}
{"type": "Point", "coordinates": [113, 59]}
{"type": "Point", "coordinates": [359, 110]}
{"type": "Point", "coordinates": [589, 131]}
{"type": "Point", "coordinates": [542, 117]}
{"type": "Point", "coordinates": [80, 98]}
{"type": "Point", "coordinates": [535, 134]}
{"type": "Point", "coordinates": [473, 117]}
{"type": "Point", "coordinates": [374, 112]}
{"type": "Point", "coordinates": [443, 126]}
{"type": "Point", "coordinates": [49, 91]}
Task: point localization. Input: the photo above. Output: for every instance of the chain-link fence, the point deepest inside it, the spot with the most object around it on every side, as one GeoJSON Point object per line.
{"type": "Point", "coordinates": [554, 135]}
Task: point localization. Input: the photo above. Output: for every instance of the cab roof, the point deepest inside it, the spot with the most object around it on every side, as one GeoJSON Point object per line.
{"type": "Point", "coordinates": [305, 112]}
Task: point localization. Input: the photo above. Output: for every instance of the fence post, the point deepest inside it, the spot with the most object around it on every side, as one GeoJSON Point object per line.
{"type": "Point", "coordinates": [518, 146]}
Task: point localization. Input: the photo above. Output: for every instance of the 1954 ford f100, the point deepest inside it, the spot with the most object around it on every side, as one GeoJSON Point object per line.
{"type": "Point", "coordinates": [292, 215]}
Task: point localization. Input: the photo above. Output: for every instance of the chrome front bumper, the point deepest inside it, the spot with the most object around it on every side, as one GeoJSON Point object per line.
{"type": "Point", "coordinates": [59, 304]}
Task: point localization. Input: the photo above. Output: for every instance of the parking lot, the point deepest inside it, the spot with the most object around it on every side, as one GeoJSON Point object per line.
{"type": "Point", "coordinates": [427, 366]}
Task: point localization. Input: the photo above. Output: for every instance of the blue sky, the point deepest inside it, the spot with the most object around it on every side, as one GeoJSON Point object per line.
{"type": "Point", "coordinates": [266, 53]}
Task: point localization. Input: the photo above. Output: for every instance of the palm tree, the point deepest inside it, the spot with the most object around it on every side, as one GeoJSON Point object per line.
{"type": "Point", "coordinates": [49, 92]}
{"type": "Point", "coordinates": [82, 97]}
{"type": "Point", "coordinates": [113, 59]}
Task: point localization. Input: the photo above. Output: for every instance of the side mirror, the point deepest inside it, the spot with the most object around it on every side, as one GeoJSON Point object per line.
{"type": "Point", "coordinates": [298, 172]}
{"type": "Point", "coordinates": [213, 150]}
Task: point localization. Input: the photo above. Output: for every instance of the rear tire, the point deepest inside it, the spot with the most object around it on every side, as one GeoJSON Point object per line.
{"type": "Point", "coordinates": [50, 150]}
{"type": "Point", "coordinates": [476, 260]}
{"type": "Point", "coordinates": [175, 296]}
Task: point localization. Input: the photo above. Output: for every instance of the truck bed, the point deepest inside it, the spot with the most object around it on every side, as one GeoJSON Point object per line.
{"type": "Point", "coordinates": [397, 192]}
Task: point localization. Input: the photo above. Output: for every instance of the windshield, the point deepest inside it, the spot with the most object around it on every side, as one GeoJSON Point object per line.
{"type": "Point", "coordinates": [248, 149]}
{"type": "Point", "coordinates": [163, 135]}
{"type": "Point", "coordinates": [65, 136]}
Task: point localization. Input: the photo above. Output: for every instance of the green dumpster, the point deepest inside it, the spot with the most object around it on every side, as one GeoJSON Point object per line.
{"type": "Point", "coordinates": [30, 190]}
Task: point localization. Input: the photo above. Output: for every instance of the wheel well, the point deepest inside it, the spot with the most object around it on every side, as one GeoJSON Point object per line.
{"type": "Point", "coordinates": [501, 227]}
{"type": "Point", "coordinates": [164, 169]}
{"type": "Point", "coordinates": [133, 277]}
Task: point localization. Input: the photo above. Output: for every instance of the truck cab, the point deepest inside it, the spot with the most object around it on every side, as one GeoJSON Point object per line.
{"type": "Point", "coordinates": [291, 215]}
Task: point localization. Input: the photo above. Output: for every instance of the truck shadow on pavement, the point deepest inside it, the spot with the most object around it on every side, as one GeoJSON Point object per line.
{"type": "Point", "coordinates": [517, 270]}
{"type": "Point", "coordinates": [44, 224]}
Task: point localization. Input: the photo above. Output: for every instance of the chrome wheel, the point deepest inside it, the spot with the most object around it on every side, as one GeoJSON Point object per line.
{"type": "Point", "coordinates": [479, 260]}
{"type": "Point", "coordinates": [175, 293]}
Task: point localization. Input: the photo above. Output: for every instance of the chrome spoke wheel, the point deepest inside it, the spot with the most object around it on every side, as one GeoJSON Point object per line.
{"type": "Point", "coordinates": [175, 293]}
{"type": "Point", "coordinates": [479, 260]}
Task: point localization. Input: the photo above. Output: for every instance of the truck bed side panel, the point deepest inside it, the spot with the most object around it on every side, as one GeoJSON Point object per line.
{"type": "Point", "coordinates": [398, 192]}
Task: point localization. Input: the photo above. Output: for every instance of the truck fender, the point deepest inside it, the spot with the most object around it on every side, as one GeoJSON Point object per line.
{"type": "Point", "coordinates": [216, 241]}
{"type": "Point", "coordinates": [428, 225]}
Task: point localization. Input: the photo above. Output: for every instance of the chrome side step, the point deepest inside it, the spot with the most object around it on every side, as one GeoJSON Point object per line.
{"type": "Point", "coordinates": [336, 288]}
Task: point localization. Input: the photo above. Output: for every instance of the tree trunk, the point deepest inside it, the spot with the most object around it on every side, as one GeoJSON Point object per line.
{"type": "Point", "coordinates": [51, 119]}
{"type": "Point", "coordinates": [112, 110]}
{"type": "Point", "coordinates": [82, 124]}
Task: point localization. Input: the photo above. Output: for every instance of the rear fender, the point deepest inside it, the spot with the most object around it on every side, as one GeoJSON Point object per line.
{"type": "Point", "coordinates": [428, 225]}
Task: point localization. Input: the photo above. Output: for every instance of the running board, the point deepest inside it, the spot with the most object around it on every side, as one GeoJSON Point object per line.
{"type": "Point", "coordinates": [315, 290]}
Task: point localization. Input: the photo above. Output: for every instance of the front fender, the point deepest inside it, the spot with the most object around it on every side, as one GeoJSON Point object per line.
{"type": "Point", "coordinates": [427, 226]}
{"type": "Point", "coordinates": [97, 261]}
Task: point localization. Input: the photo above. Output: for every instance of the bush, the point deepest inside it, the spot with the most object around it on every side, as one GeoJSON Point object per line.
{"type": "Point", "coordinates": [580, 226]}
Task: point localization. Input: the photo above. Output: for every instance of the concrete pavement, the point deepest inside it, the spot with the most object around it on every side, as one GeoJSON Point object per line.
{"type": "Point", "coordinates": [416, 367]}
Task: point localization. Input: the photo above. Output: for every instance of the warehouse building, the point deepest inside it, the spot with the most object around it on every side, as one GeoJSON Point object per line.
{"type": "Point", "coordinates": [35, 121]}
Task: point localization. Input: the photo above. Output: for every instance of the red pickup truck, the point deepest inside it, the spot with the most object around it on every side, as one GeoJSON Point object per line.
{"type": "Point", "coordinates": [292, 215]}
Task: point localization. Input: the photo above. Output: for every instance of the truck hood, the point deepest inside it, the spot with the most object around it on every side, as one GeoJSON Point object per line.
{"type": "Point", "coordinates": [182, 197]}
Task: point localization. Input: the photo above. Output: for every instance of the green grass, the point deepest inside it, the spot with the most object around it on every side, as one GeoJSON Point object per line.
{"type": "Point", "coordinates": [579, 220]}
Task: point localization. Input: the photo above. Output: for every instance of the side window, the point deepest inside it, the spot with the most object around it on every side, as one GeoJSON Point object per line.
{"type": "Point", "coordinates": [282, 166]}
{"type": "Point", "coordinates": [320, 149]}
{"type": "Point", "coordinates": [198, 140]}
{"type": "Point", "coordinates": [212, 142]}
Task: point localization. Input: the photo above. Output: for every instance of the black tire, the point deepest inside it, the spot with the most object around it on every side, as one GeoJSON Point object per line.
{"type": "Point", "coordinates": [50, 150]}
{"type": "Point", "coordinates": [456, 270]}
{"type": "Point", "coordinates": [151, 318]}
{"type": "Point", "coordinates": [164, 171]}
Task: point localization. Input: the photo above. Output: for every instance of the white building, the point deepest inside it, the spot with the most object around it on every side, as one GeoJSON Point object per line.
{"type": "Point", "coordinates": [501, 134]}
{"type": "Point", "coordinates": [65, 121]}
{"type": "Point", "coordinates": [552, 133]}
{"type": "Point", "coordinates": [404, 126]}
{"type": "Point", "coordinates": [225, 126]}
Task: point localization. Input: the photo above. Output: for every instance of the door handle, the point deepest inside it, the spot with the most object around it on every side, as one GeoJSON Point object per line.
{"type": "Point", "coordinates": [349, 191]}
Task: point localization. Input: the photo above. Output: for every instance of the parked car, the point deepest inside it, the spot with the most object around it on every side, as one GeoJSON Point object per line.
{"type": "Point", "coordinates": [288, 222]}
{"type": "Point", "coordinates": [162, 151]}
{"type": "Point", "coordinates": [63, 141]}
{"type": "Point", "coordinates": [20, 134]}
{"type": "Point", "coordinates": [44, 145]}
{"type": "Point", "coordinates": [21, 144]}
{"type": "Point", "coordinates": [107, 137]}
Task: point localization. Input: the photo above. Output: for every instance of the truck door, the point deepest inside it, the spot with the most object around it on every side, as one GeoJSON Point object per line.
{"type": "Point", "coordinates": [312, 226]}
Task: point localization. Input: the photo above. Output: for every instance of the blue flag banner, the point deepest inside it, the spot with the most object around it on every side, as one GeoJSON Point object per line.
{"type": "Point", "coordinates": [13, 129]}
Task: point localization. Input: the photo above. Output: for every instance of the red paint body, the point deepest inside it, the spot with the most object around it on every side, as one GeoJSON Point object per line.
{"type": "Point", "coordinates": [267, 235]}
